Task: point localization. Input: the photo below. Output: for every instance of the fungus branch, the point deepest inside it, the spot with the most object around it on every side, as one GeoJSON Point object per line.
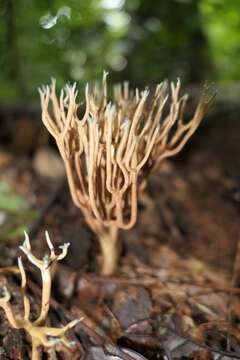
{"type": "Point", "coordinates": [109, 153]}
{"type": "Point", "coordinates": [39, 333]}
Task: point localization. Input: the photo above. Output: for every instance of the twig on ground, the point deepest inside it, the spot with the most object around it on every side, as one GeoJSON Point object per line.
{"type": "Point", "coordinates": [235, 283]}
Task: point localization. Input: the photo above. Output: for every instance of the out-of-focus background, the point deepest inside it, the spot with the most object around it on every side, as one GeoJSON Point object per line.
{"type": "Point", "coordinates": [143, 41]}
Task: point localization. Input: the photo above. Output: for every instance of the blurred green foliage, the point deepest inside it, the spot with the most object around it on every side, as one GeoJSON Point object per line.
{"type": "Point", "coordinates": [15, 213]}
{"type": "Point", "coordinates": [221, 23]}
{"type": "Point", "coordinates": [140, 40]}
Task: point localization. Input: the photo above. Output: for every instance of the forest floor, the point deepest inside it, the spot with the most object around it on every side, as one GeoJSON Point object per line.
{"type": "Point", "coordinates": [177, 289]}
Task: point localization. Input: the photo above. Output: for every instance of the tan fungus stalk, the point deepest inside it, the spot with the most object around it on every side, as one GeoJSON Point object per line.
{"type": "Point", "coordinates": [111, 150]}
{"type": "Point", "coordinates": [40, 333]}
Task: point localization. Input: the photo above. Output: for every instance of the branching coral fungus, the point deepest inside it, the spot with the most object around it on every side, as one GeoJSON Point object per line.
{"type": "Point", "coordinates": [40, 333]}
{"type": "Point", "coordinates": [109, 153]}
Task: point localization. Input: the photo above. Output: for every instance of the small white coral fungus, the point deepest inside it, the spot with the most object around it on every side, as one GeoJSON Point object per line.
{"type": "Point", "coordinates": [38, 331]}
